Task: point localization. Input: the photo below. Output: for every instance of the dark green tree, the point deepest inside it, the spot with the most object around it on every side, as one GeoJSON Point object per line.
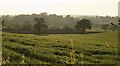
{"type": "Point", "coordinates": [82, 25]}
{"type": "Point", "coordinates": [40, 25]}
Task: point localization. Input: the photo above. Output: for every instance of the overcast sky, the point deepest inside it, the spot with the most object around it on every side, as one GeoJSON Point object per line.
{"type": "Point", "coordinates": [60, 7]}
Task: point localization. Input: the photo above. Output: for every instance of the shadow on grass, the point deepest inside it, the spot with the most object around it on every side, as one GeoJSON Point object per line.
{"type": "Point", "coordinates": [44, 34]}
{"type": "Point", "coordinates": [94, 32]}
{"type": "Point", "coordinates": [41, 34]}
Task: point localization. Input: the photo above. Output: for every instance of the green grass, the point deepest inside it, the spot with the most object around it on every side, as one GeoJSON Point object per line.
{"type": "Point", "coordinates": [96, 48]}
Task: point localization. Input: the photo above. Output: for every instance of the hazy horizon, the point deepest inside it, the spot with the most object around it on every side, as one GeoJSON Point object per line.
{"type": "Point", "coordinates": [60, 7]}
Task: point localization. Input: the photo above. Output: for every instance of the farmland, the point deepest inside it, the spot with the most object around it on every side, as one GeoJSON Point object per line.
{"type": "Point", "coordinates": [99, 48]}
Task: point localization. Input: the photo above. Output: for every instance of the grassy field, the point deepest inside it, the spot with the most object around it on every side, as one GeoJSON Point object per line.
{"type": "Point", "coordinates": [99, 48]}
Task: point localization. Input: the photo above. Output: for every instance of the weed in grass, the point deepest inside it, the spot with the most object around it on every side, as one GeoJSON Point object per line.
{"type": "Point", "coordinates": [22, 59]}
{"type": "Point", "coordinates": [6, 61]}
{"type": "Point", "coordinates": [72, 59]}
{"type": "Point", "coordinates": [72, 53]}
{"type": "Point", "coordinates": [108, 46]}
{"type": "Point", "coordinates": [81, 56]}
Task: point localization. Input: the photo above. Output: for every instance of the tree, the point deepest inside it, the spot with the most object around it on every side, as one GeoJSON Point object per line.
{"type": "Point", "coordinates": [82, 25]}
{"type": "Point", "coordinates": [110, 26]}
{"type": "Point", "coordinates": [113, 27]}
{"type": "Point", "coordinates": [105, 27]}
{"type": "Point", "coordinates": [40, 25]}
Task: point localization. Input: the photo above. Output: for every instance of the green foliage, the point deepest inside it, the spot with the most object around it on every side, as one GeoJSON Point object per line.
{"type": "Point", "coordinates": [83, 24]}
{"type": "Point", "coordinates": [105, 27]}
{"type": "Point", "coordinates": [56, 48]}
{"type": "Point", "coordinates": [40, 25]}
{"type": "Point", "coordinates": [111, 27]}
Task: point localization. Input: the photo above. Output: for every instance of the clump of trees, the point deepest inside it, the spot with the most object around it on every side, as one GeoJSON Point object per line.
{"type": "Point", "coordinates": [33, 24]}
{"type": "Point", "coordinates": [52, 23]}
{"type": "Point", "coordinates": [82, 25]}
{"type": "Point", "coordinates": [109, 27]}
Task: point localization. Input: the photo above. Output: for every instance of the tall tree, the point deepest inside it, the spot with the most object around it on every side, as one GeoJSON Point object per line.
{"type": "Point", "coordinates": [40, 25]}
{"type": "Point", "coordinates": [82, 25]}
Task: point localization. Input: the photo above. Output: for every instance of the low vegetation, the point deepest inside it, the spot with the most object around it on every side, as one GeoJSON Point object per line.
{"type": "Point", "coordinates": [100, 48]}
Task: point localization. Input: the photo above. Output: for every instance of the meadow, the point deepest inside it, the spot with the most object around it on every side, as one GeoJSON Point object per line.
{"type": "Point", "coordinates": [98, 48]}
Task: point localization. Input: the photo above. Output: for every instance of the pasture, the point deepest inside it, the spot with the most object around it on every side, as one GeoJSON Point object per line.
{"type": "Point", "coordinates": [99, 48]}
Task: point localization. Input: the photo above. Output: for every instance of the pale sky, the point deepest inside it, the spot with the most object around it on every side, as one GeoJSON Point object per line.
{"type": "Point", "coordinates": [60, 7]}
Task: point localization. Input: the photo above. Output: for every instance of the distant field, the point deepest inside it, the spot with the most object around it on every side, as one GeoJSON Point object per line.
{"type": "Point", "coordinates": [99, 48]}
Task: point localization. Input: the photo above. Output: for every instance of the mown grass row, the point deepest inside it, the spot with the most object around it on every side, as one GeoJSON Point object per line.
{"type": "Point", "coordinates": [15, 58]}
{"type": "Point", "coordinates": [32, 53]}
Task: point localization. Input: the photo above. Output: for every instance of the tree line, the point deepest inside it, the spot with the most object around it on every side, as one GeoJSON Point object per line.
{"type": "Point", "coordinates": [52, 23]}
{"type": "Point", "coordinates": [110, 27]}
{"type": "Point", "coordinates": [81, 25]}
{"type": "Point", "coordinates": [41, 27]}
